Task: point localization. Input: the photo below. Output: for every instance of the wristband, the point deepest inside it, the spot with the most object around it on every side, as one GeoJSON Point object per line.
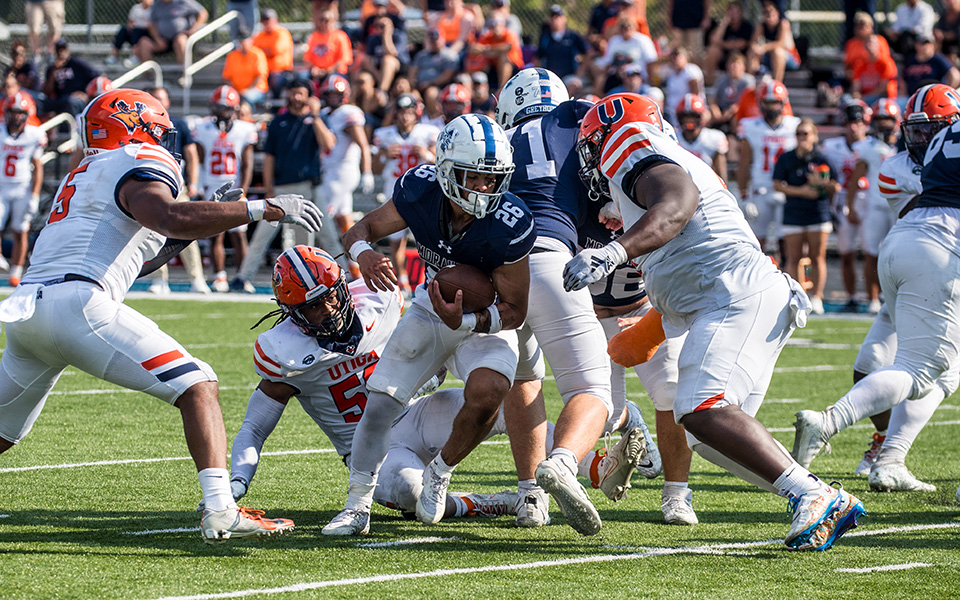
{"type": "Point", "coordinates": [358, 248]}
{"type": "Point", "coordinates": [468, 322]}
{"type": "Point", "coordinates": [256, 209]}
{"type": "Point", "coordinates": [495, 323]}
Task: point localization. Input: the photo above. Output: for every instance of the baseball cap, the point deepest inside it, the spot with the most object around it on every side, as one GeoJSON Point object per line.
{"type": "Point", "coordinates": [380, 2]}
{"type": "Point", "coordinates": [557, 11]}
{"type": "Point", "coordinates": [61, 43]}
{"type": "Point", "coordinates": [301, 82]}
{"type": "Point", "coordinates": [406, 101]}
{"type": "Point", "coordinates": [923, 37]}
{"type": "Point", "coordinates": [632, 69]}
{"type": "Point", "coordinates": [480, 77]}
{"type": "Point", "coordinates": [434, 34]}
{"type": "Point", "coordinates": [268, 13]}
{"type": "Point", "coordinates": [499, 3]}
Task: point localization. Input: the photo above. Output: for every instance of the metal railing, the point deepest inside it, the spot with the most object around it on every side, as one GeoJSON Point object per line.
{"type": "Point", "coordinates": [66, 146]}
{"type": "Point", "coordinates": [138, 70]}
{"type": "Point", "coordinates": [190, 67]}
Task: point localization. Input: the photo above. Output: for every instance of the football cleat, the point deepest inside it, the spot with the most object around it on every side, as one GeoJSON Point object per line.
{"type": "Point", "coordinates": [650, 466]}
{"type": "Point", "coordinates": [844, 514]}
{"type": "Point", "coordinates": [239, 285]}
{"type": "Point", "coordinates": [433, 497]}
{"type": "Point", "coordinates": [220, 285]}
{"type": "Point", "coordinates": [678, 510]}
{"type": "Point", "coordinates": [618, 465]}
{"type": "Point", "coordinates": [159, 288]}
{"type": "Point", "coordinates": [238, 523]}
{"type": "Point", "coordinates": [533, 510]}
{"type": "Point", "coordinates": [870, 456]}
{"type": "Point", "coordinates": [562, 484]}
{"type": "Point", "coordinates": [810, 437]}
{"type": "Point", "coordinates": [199, 286]}
{"type": "Point", "coordinates": [349, 521]}
{"type": "Point", "coordinates": [490, 505]}
{"type": "Point", "coordinates": [895, 477]}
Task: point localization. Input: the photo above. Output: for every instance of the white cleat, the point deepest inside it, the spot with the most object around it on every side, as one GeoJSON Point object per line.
{"type": "Point", "coordinates": [618, 465]}
{"type": "Point", "coordinates": [533, 510]}
{"type": "Point", "coordinates": [894, 477]}
{"type": "Point", "coordinates": [221, 285]}
{"type": "Point", "coordinates": [678, 510]}
{"type": "Point", "coordinates": [562, 484]}
{"type": "Point", "coordinates": [239, 523]}
{"type": "Point", "coordinates": [820, 519]}
{"type": "Point", "coordinates": [810, 437]}
{"type": "Point", "coordinates": [650, 466]}
{"type": "Point", "coordinates": [870, 456]}
{"type": "Point", "coordinates": [349, 521]}
{"type": "Point", "coordinates": [159, 288]}
{"type": "Point", "coordinates": [490, 505]}
{"type": "Point", "coordinates": [199, 286]}
{"type": "Point", "coordinates": [433, 497]}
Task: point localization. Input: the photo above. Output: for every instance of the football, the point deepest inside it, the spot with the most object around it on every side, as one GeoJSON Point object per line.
{"type": "Point", "coordinates": [478, 291]}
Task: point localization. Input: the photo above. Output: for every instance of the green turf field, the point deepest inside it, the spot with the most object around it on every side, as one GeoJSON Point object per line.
{"type": "Point", "coordinates": [98, 502]}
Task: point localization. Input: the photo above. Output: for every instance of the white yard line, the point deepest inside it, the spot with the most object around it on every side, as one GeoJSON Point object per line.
{"type": "Point", "coordinates": [155, 531]}
{"type": "Point", "coordinates": [902, 567]}
{"type": "Point", "coordinates": [646, 553]}
{"type": "Point", "coordinates": [407, 542]}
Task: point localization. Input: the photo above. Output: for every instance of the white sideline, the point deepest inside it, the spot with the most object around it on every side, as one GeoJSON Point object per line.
{"type": "Point", "coordinates": [902, 567]}
{"type": "Point", "coordinates": [647, 553]}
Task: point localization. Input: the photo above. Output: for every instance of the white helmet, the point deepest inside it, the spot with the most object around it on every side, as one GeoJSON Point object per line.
{"type": "Point", "coordinates": [529, 93]}
{"type": "Point", "coordinates": [473, 143]}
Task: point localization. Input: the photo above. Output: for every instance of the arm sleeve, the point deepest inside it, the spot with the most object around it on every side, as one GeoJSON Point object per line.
{"type": "Point", "coordinates": [263, 414]}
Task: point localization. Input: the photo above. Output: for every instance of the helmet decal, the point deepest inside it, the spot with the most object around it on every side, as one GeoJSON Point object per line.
{"type": "Point", "coordinates": [127, 115]}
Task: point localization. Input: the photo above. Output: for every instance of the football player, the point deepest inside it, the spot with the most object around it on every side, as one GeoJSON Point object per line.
{"type": "Point", "coordinates": [706, 274]}
{"type": "Point", "coordinates": [345, 166]}
{"type": "Point", "coordinates": [877, 219]}
{"type": "Point", "coordinates": [99, 85]}
{"type": "Point", "coordinates": [323, 348]}
{"type": "Point", "coordinates": [854, 115]}
{"type": "Point", "coordinates": [454, 101]}
{"type": "Point", "coordinates": [397, 149]}
{"type": "Point", "coordinates": [227, 145]}
{"type": "Point", "coordinates": [21, 175]}
{"type": "Point", "coordinates": [931, 109]}
{"type": "Point", "coordinates": [762, 140]}
{"type": "Point", "coordinates": [459, 212]}
{"type": "Point", "coordinates": [543, 130]}
{"type": "Point", "coordinates": [709, 145]}
{"type": "Point", "coordinates": [111, 215]}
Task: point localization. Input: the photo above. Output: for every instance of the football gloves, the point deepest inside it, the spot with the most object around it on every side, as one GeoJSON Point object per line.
{"type": "Point", "coordinates": [225, 194]}
{"type": "Point", "coordinates": [367, 184]}
{"type": "Point", "coordinates": [299, 211]}
{"type": "Point", "coordinates": [592, 265]}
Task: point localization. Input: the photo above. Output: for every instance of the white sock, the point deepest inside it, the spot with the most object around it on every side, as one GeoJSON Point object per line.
{"type": "Point", "coordinates": [215, 484]}
{"type": "Point", "coordinates": [460, 503]}
{"type": "Point", "coordinates": [360, 490]}
{"type": "Point", "coordinates": [220, 275]}
{"type": "Point", "coordinates": [527, 486]}
{"type": "Point", "coordinates": [675, 488]}
{"type": "Point", "coordinates": [585, 466]}
{"type": "Point", "coordinates": [442, 467]}
{"type": "Point", "coordinates": [796, 481]}
{"type": "Point", "coordinates": [16, 271]}
{"type": "Point", "coordinates": [566, 457]}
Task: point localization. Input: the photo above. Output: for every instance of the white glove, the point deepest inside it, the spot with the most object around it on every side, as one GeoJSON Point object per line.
{"type": "Point", "coordinates": [226, 194]}
{"type": "Point", "coordinates": [750, 210]}
{"type": "Point", "coordinates": [592, 265]}
{"type": "Point", "coordinates": [299, 211]}
{"type": "Point", "coordinates": [366, 183]}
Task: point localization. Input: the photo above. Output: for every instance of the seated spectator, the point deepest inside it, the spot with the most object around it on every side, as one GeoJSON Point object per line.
{"type": "Point", "coordinates": [635, 10]}
{"type": "Point", "coordinates": [947, 30]}
{"type": "Point", "coordinates": [501, 8]}
{"type": "Point", "coordinates": [328, 49]}
{"type": "Point", "coordinates": [914, 18]}
{"type": "Point", "coordinates": [498, 49]}
{"type": "Point", "coordinates": [732, 34]}
{"type": "Point", "coordinates": [482, 102]}
{"type": "Point", "coordinates": [926, 65]}
{"type": "Point", "coordinates": [66, 82]}
{"type": "Point", "coordinates": [24, 69]}
{"type": "Point", "coordinates": [245, 69]}
{"type": "Point", "coordinates": [631, 80]}
{"type": "Point", "coordinates": [727, 92]}
{"type": "Point", "coordinates": [372, 100]}
{"type": "Point", "coordinates": [634, 48]}
{"type": "Point", "coordinates": [277, 45]}
{"type": "Point", "coordinates": [855, 50]}
{"type": "Point", "coordinates": [385, 45]}
{"type": "Point", "coordinates": [688, 20]}
{"type": "Point", "coordinates": [456, 26]}
{"type": "Point", "coordinates": [850, 10]}
{"type": "Point", "coordinates": [171, 23]}
{"type": "Point", "coordinates": [433, 68]}
{"type": "Point", "coordinates": [39, 12]}
{"type": "Point", "coordinates": [772, 44]}
{"type": "Point", "coordinates": [136, 27]}
{"type": "Point", "coordinates": [682, 78]}
{"type": "Point", "coordinates": [875, 77]}
{"type": "Point", "coordinates": [560, 49]}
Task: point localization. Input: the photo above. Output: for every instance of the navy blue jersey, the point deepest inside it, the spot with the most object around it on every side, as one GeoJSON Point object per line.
{"type": "Point", "coordinates": [504, 236]}
{"type": "Point", "coordinates": [624, 286]}
{"type": "Point", "coordinates": [941, 170]}
{"type": "Point", "coordinates": [547, 175]}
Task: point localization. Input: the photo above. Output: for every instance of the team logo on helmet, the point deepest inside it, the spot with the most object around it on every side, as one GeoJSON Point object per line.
{"type": "Point", "coordinates": [129, 116]}
{"type": "Point", "coordinates": [617, 105]}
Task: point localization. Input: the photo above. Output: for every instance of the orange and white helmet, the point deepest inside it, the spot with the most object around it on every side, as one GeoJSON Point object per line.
{"type": "Point", "coordinates": [124, 116]}
{"type": "Point", "coordinates": [455, 101]}
{"type": "Point", "coordinates": [306, 277]}
{"type": "Point", "coordinates": [603, 120]}
{"type": "Point", "coordinates": [99, 85]}
{"type": "Point", "coordinates": [769, 93]}
{"type": "Point", "coordinates": [690, 111]}
{"type": "Point", "coordinates": [887, 108]}
{"type": "Point", "coordinates": [335, 90]}
{"type": "Point", "coordinates": [17, 108]}
{"type": "Point", "coordinates": [855, 110]}
{"type": "Point", "coordinates": [930, 109]}
{"type": "Point", "coordinates": [224, 105]}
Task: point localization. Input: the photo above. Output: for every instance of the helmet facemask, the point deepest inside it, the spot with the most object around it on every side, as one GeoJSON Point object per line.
{"type": "Point", "coordinates": [16, 120]}
{"type": "Point", "coordinates": [224, 115]}
{"type": "Point", "coordinates": [474, 202]}
{"type": "Point", "coordinates": [919, 130]}
{"type": "Point", "coordinates": [336, 324]}
{"type": "Point", "coordinates": [589, 150]}
{"type": "Point", "coordinates": [772, 110]}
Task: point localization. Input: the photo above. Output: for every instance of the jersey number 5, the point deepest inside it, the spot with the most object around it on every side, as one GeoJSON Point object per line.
{"type": "Point", "coordinates": [350, 395]}
{"type": "Point", "coordinates": [62, 203]}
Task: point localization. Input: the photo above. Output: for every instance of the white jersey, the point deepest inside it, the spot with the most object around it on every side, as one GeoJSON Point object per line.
{"type": "Point", "coordinates": [843, 159]}
{"type": "Point", "coordinates": [345, 154]}
{"type": "Point", "coordinates": [767, 144]}
{"type": "Point", "coordinates": [17, 153]}
{"type": "Point", "coordinates": [708, 144]}
{"type": "Point", "coordinates": [873, 152]}
{"type": "Point", "coordinates": [333, 385]}
{"type": "Point", "coordinates": [715, 260]}
{"type": "Point", "coordinates": [223, 150]}
{"type": "Point", "coordinates": [899, 181]}
{"type": "Point", "coordinates": [422, 135]}
{"type": "Point", "coordinates": [88, 233]}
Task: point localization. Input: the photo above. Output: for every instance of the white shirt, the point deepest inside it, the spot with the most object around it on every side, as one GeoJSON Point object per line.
{"type": "Point", "coordinates": [223, 150]}
{"type": "Point", "coordinates": [17, 153]}
{"type": "Point", "coordinates": [345, 154]}
{"type": "Point", "coordinates": [873, 152]}
{"type": "Point", "coordinates": [899, 180]}
{"type": "Point", "coordinates": [918, 19]}
{"type": "Point", "coordinates": [677, 85]}
{"type": "Point", "coordinates": [708, 144]}
{"type": "Point", "coordinates": [422, 135]}
{"type": "Point", "coordinates": [639, 48]}
{"type": "Point", "coordinates": [767, 145]}
{"type": "Point", "coordinates": [87, 233]}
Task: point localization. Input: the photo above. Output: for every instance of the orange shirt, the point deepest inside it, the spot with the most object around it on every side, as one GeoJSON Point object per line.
{"type": "Point", "coordinates": [748, 106]}
{"type": "Point", "coordinates": [855, 51]}
{"type": "Point", "coordinates": [326, 50]}
{"type": "Point", "coordinates": [278, 48]}
{"type": "Point", "coordinates": [242, 69]}
{"type": "Point", "coordinates": [871, 74]}
{"type": "Point", "coordinates": [449, 27]}
{"type": "Point", "coordinates": [489, 38]}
